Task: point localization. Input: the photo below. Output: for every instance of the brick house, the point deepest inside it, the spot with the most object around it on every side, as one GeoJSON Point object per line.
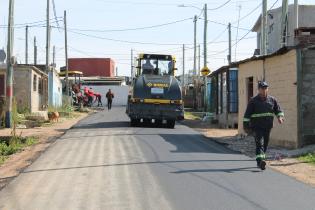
{"type": "Point", "coordinates": [30, 87]}
{"type": "Point", "coordinates": [291, 76]}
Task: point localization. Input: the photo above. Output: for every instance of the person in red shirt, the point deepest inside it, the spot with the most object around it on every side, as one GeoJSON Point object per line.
{"type": "Point", "coordinates": [99, 99]}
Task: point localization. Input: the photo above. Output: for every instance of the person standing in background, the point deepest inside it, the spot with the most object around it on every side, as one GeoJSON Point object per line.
{"type": "Point", "coordinates": [109, 96]}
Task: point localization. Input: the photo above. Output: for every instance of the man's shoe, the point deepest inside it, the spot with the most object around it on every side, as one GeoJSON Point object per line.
{"type": "Point", "coordinates": [262, 165]}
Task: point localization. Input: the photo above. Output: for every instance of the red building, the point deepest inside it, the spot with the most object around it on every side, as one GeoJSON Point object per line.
{"type": "Point", "coordinates": [103, 67]}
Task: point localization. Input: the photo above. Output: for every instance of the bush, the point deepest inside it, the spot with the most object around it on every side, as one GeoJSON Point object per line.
{"type": "Point", "coordinates": [15, 145]}
{"type": "Point", "coordinates": [308, 158]}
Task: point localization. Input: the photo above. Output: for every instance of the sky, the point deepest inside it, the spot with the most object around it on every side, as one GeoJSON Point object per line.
{"type": "Point", "coordinates": [111, 28]}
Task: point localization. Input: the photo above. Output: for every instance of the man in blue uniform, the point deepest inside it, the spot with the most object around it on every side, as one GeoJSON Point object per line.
{"type": "Point", "coordinates": [258, 120]}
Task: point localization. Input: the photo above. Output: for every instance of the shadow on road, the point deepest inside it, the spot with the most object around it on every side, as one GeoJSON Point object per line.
{"type": "Point", "coordinates": [194, 143]}
{"type": "Point", "coordinates": [226, 170]}
{"type": "Point", "coordinates": [113, 124]}
{"type": "Point", "coordinates": [132, 164]}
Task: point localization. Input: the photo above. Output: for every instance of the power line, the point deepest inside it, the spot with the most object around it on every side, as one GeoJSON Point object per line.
{"type": "Point", "coordinates": [31, 23]}
{"type": "Point", "coordinates": [217, 37]}
{"type": "Point", "coordinates": [220, 52]}
{"type": "Point", "coordinates": [55, 13]}
{"type": "Point", "coordinates": [248, 14]}
{"type": "Point", "coordinates": [131, 29]}
{"type": "Point", "coordinates": [219, 7]}
{"type": "Point", "coordinates": [274, 4]}
{"type": "Point", "coordinates": [224, 24]}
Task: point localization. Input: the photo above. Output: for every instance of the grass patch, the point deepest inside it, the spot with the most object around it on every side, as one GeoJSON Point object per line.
{"type": "Point", "coordinates": [192, 116]}
{"type": "Point", "coordinates": [308, 158]}
{"type": "Point", "coordinates": [3, 159]}
{"type": "Point", "coordinates": [12, 145]}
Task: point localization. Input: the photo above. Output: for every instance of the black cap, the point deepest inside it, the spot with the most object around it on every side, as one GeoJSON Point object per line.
{"type": "Point", "coordinates": [262, 84]}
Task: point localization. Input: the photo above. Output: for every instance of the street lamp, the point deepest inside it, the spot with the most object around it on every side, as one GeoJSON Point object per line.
{"type": "Point", "coordinates": [205, 11]}
{"type": "Point", "coordinates": [183, 5]}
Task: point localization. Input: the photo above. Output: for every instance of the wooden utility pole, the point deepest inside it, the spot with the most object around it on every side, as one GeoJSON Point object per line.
{"type": "Point", "coordinates": [205, 64]}
{"type": "Point", "coordinates": [26, 45]}
{"type": "Point", "coordinates": [296, 13]}
{"type": "Point", "coordinates": [10, 63]}
{"type": "Point", "coordinates": [131, 64]}
{"type": "Point", "coordinates": [230, 45]}
{"type": "Point", "coordinates": [54, 56]}
{"type": "Point", "coordinates": [47, 35]}
{"type": "Point", "coordinates": [183, 80]}
{"type": "Point", "coordinates": [195, 45]}
{"type": "Point", "coordinates": [35, 51]}
{"type": "Point", "coordinates": [199, 61]}
{"type": "Point", "coordinates": [264, 28]}
{"type": "Point", "coordinates": [284, 23]}
{"type": "Point", "coordinates": [66, 53]}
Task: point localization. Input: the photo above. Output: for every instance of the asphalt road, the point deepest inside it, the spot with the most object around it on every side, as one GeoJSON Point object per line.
{"type": "Point", "coordinates": [104, 164]}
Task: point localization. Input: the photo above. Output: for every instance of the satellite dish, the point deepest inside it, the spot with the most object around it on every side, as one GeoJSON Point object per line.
{"type": "Point", "coordinates": [3, 56]}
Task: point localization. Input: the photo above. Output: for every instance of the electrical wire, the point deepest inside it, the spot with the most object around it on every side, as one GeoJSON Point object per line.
{"type": "Point", "coordinates": [31, 23]}
{"type": "Point", "coordinates": [219, 7]}
{"type": "Point", "coordinates": [217, 37]}
{"type": "Point", "coordinates": [132, 29]}
{"type": "Point", "coordinates": [118, 40]}
{"type": "Point", "coordinates": [55, 13]}
{"type": "Point", "coordinates": [248, 14]}
{"type": "Point", "coordinates": [274, 4]}
{"type": "Point", "coordinates": [220, 52]}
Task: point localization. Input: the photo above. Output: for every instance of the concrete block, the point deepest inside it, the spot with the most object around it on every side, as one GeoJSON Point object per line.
{"type": "Point", "coordinates": [38, 116]}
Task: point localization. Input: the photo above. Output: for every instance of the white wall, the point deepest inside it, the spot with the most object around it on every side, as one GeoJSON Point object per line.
{"type": "Point", "coordinates": [120, 93]}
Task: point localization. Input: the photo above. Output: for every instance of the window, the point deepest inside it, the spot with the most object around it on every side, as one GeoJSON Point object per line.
{"type": "Point", "coordinates": [40, 85]}
{"type": "Point", "coordinates": [157, 67]}
{"type": "Point", "coordinates": [2, 85]}
{"type": "Point", "coordinates": [250, 88]}
{"type": "Point", "coordinates": [233, 91]}
{"type": "Point", "coordinates": [220, 94]}
{"type": "Point", "coordinates": [35, 83]}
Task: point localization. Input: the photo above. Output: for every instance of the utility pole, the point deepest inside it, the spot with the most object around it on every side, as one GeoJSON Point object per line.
{"type": "Point", "coordinates": [66, 52]}
{"type": "Point", "coordinates": [54, 56]}
{"type": "Point", "coordinates": [26, 45]}
{"type": "Point", "coordinates": [47, 35]}
{"type": "Point", "coordinates": [227, 76]}
{"type": "Point", "coordinates": [205, 54]}
{"type": "Point", "coordinates": [35, 51]}
{"type": "Point", "coordinates": [131, 63]}
{"type": "Point", "coordinates": [116, 71]}
{"type": "Point", "coordinates": [296, 13]}
{"type": "Point", "coordinates": [284, 23]}
{"type": "Point", "coordinates": [10, 63]}
{"type": "Point", "coordinates": [183, 80]}
{"type": "Point", "coordinates": [195, 45]}
{"type": "Point", "coordinates": [230, 45]}
{"type": "Point", "coordinates": [264, 28]}
{"type": "Point", "coordinates": [199, 61]}
{"type": "Point", "coordinates": [205, 36]}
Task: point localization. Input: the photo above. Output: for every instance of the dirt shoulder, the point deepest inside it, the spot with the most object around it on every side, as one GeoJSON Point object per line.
{"type": "Point", "coordinates": [278, 159]}
{"type": "Point", "coordinates": [46, 136]}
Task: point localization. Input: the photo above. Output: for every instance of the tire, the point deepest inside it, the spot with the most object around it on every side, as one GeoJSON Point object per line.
{"type": "Point", "coordinates": [134, 122]}
{"type": "Point", "coordinates": [171, 124]}
{"type": "Point", "coordinates": [158, 123]}
{"type": "Point", "coordinates": [147, 122]}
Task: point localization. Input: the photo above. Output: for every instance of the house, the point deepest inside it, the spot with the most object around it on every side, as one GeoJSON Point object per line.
{"type": "Point", "coordinates": [290, 73]}
{"type": "Point", "coordinates": [223, 94]}
{"type": "Point", "coordinates": [90, 67]}
{"type": "Point", "coordinates": [55, 89]}
{"type": "Point", "coordinates": [306, 19]}
{"type": "Point", "coordinates": [55, 96]}
{"type": "Point", "coordinates": [30, 87]}
{"type": "Point", "coordinates": [102, 84]}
